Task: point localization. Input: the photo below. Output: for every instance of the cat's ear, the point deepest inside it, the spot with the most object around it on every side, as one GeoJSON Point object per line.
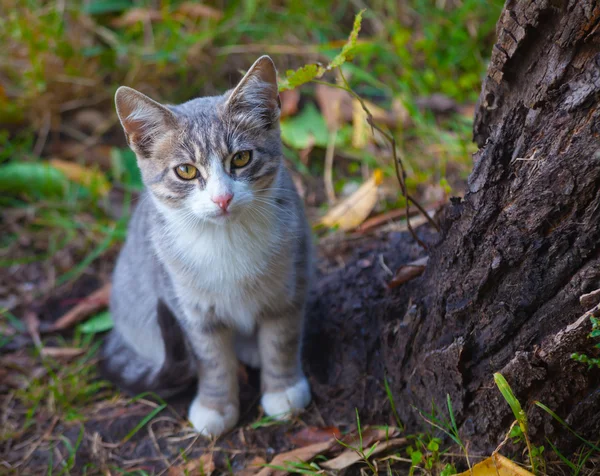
{"type": "Point", "coordinates": [257, 92]}
{"type": "Point", "coordinates": [142, 118]}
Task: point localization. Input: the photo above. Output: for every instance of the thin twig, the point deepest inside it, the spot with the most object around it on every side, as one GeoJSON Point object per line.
{"type": "Point", "coordinates": [398, 164]}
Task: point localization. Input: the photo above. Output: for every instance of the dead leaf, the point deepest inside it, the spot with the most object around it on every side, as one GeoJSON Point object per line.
{"type": "Point", "coordinates": [353, 210]}
{"type": "Point", "coordinates": [289, 102]}
{"type": "Point", "coordinates": [350, 457]}
{"type": "Point", "coordinates": [303, 454]}
{"type": "Point", "coordinates": [370, 435]}
{"type": "Point", "coordinates": [359, 125]}
{"type": "Point", "coordinates": [196, 10]}
{"type": "Point", "coordinates": [335, 105]}
{"type": "Point", "coordinates": [409, 271]}
{"type": "Point", "coordinates": [204, 465]}
{"type": "Point", "coordinates": [95, 302]}
{"type": "Point", "coordinates": [496, 465]}
{"type": "Point", "coordinates": [83, 175]}
{"type": "Point", "coordinates": [135, 15]}
{"type": "Point", "coordinates": [313, 434]}
{"type": "Point", "coordinates": [62, 352]}
{"type": "Point", "coordinates": [253, 467]}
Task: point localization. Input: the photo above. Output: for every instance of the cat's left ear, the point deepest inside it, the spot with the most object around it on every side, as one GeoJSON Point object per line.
{"type": "Point", "coordinates": [257, 92]}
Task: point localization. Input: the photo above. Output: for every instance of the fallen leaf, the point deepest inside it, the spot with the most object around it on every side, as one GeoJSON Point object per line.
{"type": "Point", "coordinates": [370, 435]}
{"type": "Point", "coordinates": [313, 434]}
{"type": "Point", "coordinates": [289, 102]}
{"type": "Point", "coordinates": [353, 210]}
{"type": "Point", "coordinates": [409, 271]}
{"type": "Point", "coordinates": [196, 10]}
{"type": "Point", "coordinates": [253, 467]}
{"type": "Point", "coordinates": [62, 352]}
{"type": "Point", "coordinates": [359, 125]}
{"type": "Point", "coordinates": [90, 178]}
{"type": "Point", "coordinates": [496, 465]}
{"type": "Point", "coordinates": [350, 457]}
{"type": "Point", "coordinates": [136, 15]}
{"type": "Point", "coordinates": [334, 104]}
{"type": "Point", "coordinates": [303, 454]}
{"type": "Point", "coordinates": [204, 465]}
{"type": "Point", "coordinates": [95, 302]}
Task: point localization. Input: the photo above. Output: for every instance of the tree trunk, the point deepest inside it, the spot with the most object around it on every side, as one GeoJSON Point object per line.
{"type": "Point", "coordinates": [501, 291]}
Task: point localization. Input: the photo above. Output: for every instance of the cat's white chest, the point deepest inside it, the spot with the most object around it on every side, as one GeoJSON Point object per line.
{"type": "Point", "coordinates": [226, 268]}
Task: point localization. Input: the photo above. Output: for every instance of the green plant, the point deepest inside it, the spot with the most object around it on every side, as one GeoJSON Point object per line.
{"type": "Point", "coordinates": [536, 457]}
{"type": "Point", "coordinates": [447, 425]}
{"type": "Point", "coordinates": [360, 450]}
{"type": "Point", "coordinates": [595, 334]}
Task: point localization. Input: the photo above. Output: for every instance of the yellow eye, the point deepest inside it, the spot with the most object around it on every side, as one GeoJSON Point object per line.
{"type": "Point", "coordinates": [186, 172]}
{"type": "Point", "coordinates": [241, 159]}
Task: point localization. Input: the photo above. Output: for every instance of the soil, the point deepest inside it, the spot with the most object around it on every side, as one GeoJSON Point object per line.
{"type": "Point", "coordinates": [342, 359]}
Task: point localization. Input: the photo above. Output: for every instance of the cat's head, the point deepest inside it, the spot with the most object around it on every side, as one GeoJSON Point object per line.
{"type": "Point", "coordinates": [211, 157]}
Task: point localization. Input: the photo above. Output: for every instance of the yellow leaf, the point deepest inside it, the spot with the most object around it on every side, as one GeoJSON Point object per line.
{"type": "Point", "coordinates": [359, 125]}
{"type": "Point", "coordinates": [352, 211]}
{"type": "Point", "coordinates": [497, 465]}
{"type": "Point", "coordinates": [89, 178]}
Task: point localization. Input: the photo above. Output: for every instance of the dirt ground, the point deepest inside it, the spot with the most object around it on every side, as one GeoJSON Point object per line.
{"type": "Point", "coordinates": [341, 358]}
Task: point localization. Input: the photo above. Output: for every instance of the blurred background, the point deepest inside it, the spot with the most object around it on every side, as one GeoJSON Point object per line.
{"type": "Point", "coordinates": [68, 182]}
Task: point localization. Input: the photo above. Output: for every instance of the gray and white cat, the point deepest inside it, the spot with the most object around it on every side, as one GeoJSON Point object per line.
{"type": "Point", "coordinates": [217, 259]}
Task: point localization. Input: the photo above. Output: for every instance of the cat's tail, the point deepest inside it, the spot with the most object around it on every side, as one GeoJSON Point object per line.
{"type": "Point", "coordinates": [134, 374]}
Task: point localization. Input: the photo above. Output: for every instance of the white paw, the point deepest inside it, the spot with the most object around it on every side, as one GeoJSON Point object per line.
{"type": "Point", "coordinates": [209, 422]}
{"type": "Point", "coordinates": [283, 404]}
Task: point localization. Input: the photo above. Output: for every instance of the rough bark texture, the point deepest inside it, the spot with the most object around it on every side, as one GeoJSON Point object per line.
{"type": "Point", "coordinates": [501, 292]}
{"type": "Point", "coordinates": [503, 287]}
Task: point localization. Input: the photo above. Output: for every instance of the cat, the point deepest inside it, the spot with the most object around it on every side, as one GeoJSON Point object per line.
{"type": "Point", "coordinates": [217, 260]}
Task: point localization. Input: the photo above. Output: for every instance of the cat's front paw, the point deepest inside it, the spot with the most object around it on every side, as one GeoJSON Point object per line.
{"type": "Point", "coordinates": [210, 422]}
{"type": "Point", "coordinates": [287, 402]}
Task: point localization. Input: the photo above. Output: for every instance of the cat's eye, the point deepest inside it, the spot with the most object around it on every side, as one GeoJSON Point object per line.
{"type": "Point", "coordinates": [186, 172]}
{"type": "Point", "coordinates": [241, 159]}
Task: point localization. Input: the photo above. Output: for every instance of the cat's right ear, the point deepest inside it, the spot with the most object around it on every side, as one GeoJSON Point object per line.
{"type": "Point", "coordinates": [142, 118]}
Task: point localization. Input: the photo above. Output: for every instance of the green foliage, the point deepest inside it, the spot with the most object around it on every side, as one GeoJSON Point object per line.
{"type": "Point", "coordinates": [308, 128]}
{"type": "Point", "coordinates": [591, 362]}
{"type": "Point", "coordinates": [536, 457]}
{"type": "Point", "coordinates": [311, 72]}
{"type": "Point", "coordinates": [32, 179]}
{"type": "Point", "coordinates": [101, 322]}
{"type": "Point", "coordinates": [64, 390]}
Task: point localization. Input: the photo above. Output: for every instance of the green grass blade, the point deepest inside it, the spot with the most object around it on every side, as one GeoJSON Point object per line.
{"type": "Point", "coordinates": [144, 421]}
{"type": "Point", "coordinates": [390, 397]}
{"type": "Point", "coordinates": [512, 401]}
{"type": "Point", "coordinates": [562, 457]}
{"type": "Point", "coordinates": [563, 423]}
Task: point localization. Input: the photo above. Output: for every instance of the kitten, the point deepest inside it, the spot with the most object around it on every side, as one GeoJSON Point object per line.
{"type": "Point", "coordinates": [217, 258]}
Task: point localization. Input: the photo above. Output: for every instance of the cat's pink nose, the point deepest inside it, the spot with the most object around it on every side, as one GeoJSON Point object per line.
{"type": "Point", "coordinates": [223, 200]}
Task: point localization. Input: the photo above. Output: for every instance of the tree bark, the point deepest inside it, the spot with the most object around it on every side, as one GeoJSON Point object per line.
{"type": "Point", "coordinates": [501, 291]}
